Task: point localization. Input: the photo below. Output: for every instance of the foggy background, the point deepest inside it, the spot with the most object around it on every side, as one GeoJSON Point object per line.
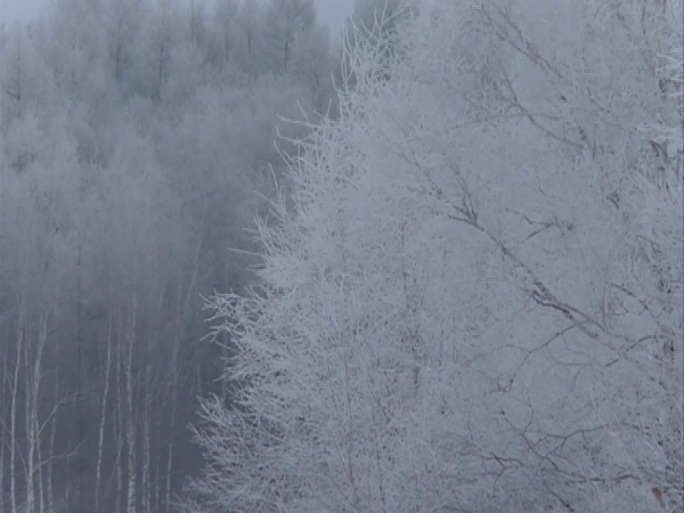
{"type": "Point", "coordinates": [463, 291]}
{"type": "Point", "coordinates": [331, 12]}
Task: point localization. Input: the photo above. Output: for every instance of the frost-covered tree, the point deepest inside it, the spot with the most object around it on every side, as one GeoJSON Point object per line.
{"type": "Point", "coordinates": [473, 300]}
{"type": "Point", "coordinates": [136, 143]}
{"type": "Point", "coordinates": [374, 26]}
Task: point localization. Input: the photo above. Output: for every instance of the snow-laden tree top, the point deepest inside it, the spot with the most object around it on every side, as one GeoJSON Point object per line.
{"type": "Point", "coordinates": [475, 302]}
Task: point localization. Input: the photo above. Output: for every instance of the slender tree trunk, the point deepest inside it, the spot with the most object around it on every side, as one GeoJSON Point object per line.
{"type": "Point", "coordinates": [3, 440]}
{"type": "Point", "coordinates": [157, 468]}
{"type": "Point", "coordinates": [13, 410]}
{"type": "Point", "coordinates": [172, 424]}
{"type": "Point", "coordinates": [30, 447]}
{"type": "Point", "coordinates": [33, 381]}
{"type": "Point", "coordinates": [147, 390]}
{"type": "Point", "coordinates": [40, 478]}
{"type": "Point", "coordinates": [147, 414]}
{"type": "Point", "coordinates": [103, 417]}
{"type": "Point", "coordinates": [169, 454]}
{"type": "Point", "coordinates": [67, 491]}
{"type": "Point", "coordinates": [50, 492]}
{"type": "Point", "coordinates": [80, 419]}
{"type": "Point", "coordinates": [130, 424]}
{"type": "Point", "coordinates": [119, 430]}
{"type": "Point", "coordinates": [173, 398]}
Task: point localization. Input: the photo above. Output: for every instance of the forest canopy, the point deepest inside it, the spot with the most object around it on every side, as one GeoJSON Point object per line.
{"type": "Point", "coordinates": [472, 302]}
{"type": "Point", "coordinates": [137, 144]}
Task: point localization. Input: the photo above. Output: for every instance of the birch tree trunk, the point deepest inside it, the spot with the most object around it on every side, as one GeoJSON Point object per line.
{"type": "Point", "coordinates": [13, 410]}
{"type": "Point", "coordinates": [80, 376]}
{"type": "Point", "coordinates": [33, 381]}
{"type": "Point", "coordinates": [119, 431]}
{"type": "Point", "coordinates": [3, 429]}
{"type": "Point", "coordinates": [50, 492]}
{"type": "Point", "coordinates": [172, 423]}
{"type": "Point", "coordinates": [103, 417]}
{"type": "Point", "coordinates": [147, 414]}
{"type": "Point", "coordinates": [130, 424]}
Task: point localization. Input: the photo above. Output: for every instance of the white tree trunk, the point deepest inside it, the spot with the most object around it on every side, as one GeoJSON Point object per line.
{"type": "Point", "coordinates": [33, 381]}
{"type": "Point", "coordinates": [131, 496]}
{"type": "Point", "coordinates": [4, 384]}
{"type": "Point", "coordinates": [119, 432]}
{"type": "Point", "coordinates": [3, 428]}
{"type": "Point", "coordinates": [103, 417]}
{"type": "Point", "coordinates": [50, 492]}
{"type": "Point", "coordinates": [13, 411]}
{"type": "Point", "coordinates": [146, 434]}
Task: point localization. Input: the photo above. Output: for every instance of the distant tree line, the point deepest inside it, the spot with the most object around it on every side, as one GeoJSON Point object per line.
{"type": "Point", "coordinates": [137, 145]}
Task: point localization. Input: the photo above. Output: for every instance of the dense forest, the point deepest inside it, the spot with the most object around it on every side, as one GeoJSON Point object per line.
{"type": "Point", "coordinates": [472, 301]}
{"type": "Point", "coordinates": [435, 268]}
{"type": "Point", "coordinates": [137, 147]}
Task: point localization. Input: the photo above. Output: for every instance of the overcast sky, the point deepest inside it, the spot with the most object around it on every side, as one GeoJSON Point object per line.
{"type": "Point", "coordinates": [332, 12]}
{"type": "Point", "coordinates": [11, 10]}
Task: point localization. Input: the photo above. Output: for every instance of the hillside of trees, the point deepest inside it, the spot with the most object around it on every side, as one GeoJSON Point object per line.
{"type": "Point", "coordinates": [137, 147]}
{"type": "Point", "coordinates": [438, 269]}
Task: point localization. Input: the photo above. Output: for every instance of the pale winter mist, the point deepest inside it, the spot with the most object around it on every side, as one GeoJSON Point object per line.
{"type": "Point", "coordinates": [249, 266]}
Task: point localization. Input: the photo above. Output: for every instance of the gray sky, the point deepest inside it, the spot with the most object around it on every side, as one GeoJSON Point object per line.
{"type": "Point", "coordinates": [11, 10]}
{"type": "Point", "coordinates": [332, 12]}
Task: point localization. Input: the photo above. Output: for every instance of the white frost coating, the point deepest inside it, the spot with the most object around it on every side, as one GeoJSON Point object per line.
{"type": "Point", "coordinates": [475, 303]}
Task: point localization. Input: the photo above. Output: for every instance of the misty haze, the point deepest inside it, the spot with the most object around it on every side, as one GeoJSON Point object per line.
{"type": "Point", "coordinates": [248, 265]}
